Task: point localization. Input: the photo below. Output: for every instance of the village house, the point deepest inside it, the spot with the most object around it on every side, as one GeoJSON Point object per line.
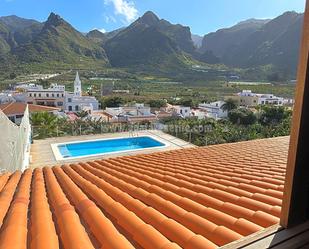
{"type": "Point", "coordinates": [248, 98]}
{"type": "Point", "coordinates": [178, 110]}
{"type": "Point", "coordinates": [15, 110]}
{"type": "Point", "coordinates": [132, 114]}
{"type": "Point", "coordinates": [214, 109]}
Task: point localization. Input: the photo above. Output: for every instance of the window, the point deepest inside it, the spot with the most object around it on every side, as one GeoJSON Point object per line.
{"type": "Point", "coordinates": [47, 95]}
{"type": "Point", "coordinates": [39, 95]}
{"type": "Point", "coordinates": [34, 95]}
{"type": "Point", "coordinates": [70, 108]}
{"type": "Point", "coordinates": [60, 103]}
{"type": "Point", "coordinates": [30, 94]}
{"type": "Point", "coordinates": [53, 95]}
{"type": "Point", "coordinates": [69, 100]}
{"type": "Point", "coordinates": [58, 95]}
{"type": "Point", "coordinates": [76, 108]}
{"type": "Point", "coordinates": [12, 118]}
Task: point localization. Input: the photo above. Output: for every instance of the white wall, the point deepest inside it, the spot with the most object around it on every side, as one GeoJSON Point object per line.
{"type": "Point", "coordinates": [15, 143]}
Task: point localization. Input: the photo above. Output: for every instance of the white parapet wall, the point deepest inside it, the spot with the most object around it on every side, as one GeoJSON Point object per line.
{"type": "Point", "coordinates": [15, 142]}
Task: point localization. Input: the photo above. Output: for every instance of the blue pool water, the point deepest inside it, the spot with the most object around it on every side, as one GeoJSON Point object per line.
{"type": "Point", "coordinates": [107, 146]}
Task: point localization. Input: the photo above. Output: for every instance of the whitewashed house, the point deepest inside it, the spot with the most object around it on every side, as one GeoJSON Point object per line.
{"type": "Point", "coordinates": [214, 109]}
{"type": "Point", "coordinates": [248, 98]}
{"type": "Point", "coordinates": [178, 110]}
{"type": "Point", "coordinates": [134, 113]}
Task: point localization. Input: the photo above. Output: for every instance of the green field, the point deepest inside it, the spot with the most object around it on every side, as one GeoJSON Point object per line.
{"type": "Point", "coordinates": [146, 87]}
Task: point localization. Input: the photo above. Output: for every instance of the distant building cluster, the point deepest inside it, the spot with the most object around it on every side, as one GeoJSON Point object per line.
{"type": "Point", "coordinates": [250, 99]}
{"type": "Point", "coordinates": [54, 96]}
{"type": "Point", "coordinates": [55, 99]}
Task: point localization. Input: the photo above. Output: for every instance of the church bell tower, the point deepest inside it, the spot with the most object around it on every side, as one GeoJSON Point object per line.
{"type": "Point", "coordinates": [77, 86]}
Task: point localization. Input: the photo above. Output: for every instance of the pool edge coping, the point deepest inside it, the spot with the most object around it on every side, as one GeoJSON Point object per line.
{"type": "Point", "coordinates": [60, 158]}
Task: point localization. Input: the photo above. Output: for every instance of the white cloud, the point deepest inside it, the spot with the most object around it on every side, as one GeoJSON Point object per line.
{"type": "Point", "coordinates": [125, 8]}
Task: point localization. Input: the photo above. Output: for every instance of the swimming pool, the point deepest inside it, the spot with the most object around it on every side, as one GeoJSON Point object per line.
{"type": "Point", "coordinates": [104, 146]}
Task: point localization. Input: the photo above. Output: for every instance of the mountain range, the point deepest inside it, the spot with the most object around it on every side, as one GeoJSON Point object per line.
{"type": "Point", "coordinates": [151, 44]}
{"type": "Point", "coordinates": [258, 42]}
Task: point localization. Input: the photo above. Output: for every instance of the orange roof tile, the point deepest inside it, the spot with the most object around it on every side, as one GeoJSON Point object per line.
{"type": "Point", "coordinates": [190, 198]}
{"type": "Point", "coordinates": [19, 108]}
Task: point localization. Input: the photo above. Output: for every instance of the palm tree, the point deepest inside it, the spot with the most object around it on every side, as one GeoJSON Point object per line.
{"type": "Point", "coordinates": [230, 104]}
{"type": "Point", "coordinates": [44, 124]}
{"type": "Point", "coordinates": [82, 114]}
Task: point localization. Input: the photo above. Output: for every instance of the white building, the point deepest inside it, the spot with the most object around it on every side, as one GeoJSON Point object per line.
{"type": "Point", "coordinates": [214, 109]}
{"type": "Point", "coordinates": [76, 102]}
{"type": "Point", "coordinates": [134, 113]}
{"type": "Point", "coordinates": [199, 113]}
{"type": "Point", "coordinates": [53, 96]}
{"type": "Point", "coordinates": [178, 110]}
{"type": "Point", "coordinates": [12, 96]}
{"type": "Point", "coordinates": [248, 98]}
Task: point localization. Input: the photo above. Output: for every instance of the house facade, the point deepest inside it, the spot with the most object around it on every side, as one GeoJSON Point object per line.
{"type": "Point", "coordinates": [178, 110]}
{"type": "Point", "coordinates": [248, 98]}
{"type": "Point", "coordinates": [15, 110]}
{"type": "Point", "coordinates": [214, 109]}
{"type": "Point", "coordinates": [132, 114]}
{"type": "Point", "coordinates": [53, 96]}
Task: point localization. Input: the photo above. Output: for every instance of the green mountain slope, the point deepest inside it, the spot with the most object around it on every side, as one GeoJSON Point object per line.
{"type": "Point", "coordinates": [254, 43]}
{"type": "Point", "coordinates": [18, 31]}
{"type": "Point", "coordinates": [148, 44]}
{"type": "Point", "coordinates": [101, 38]}
{"type": "Point", "coordinates": [59, 41]}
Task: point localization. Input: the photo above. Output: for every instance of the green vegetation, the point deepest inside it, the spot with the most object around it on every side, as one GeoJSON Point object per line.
{"type": "Point", "coordinates": [241, 126]}
{"type": "Point", "coordinates": [229, 105]}
{"type": "Point", "coordinates": [152, 47]}
{"type": "Point", "coordinates": [268, 122]}
{"type": "Point", "coordinates": [242, 116]}
{"type": "Point", "coordinates": [113, 101]}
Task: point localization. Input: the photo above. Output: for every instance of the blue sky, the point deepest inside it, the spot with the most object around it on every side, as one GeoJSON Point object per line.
{"type": "Point", "coordinates": [202, 16]}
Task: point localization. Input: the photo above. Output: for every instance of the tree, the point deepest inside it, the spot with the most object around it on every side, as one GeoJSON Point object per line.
{"type": "Point", "coordinates": [44, 124]}
{"type": "Point", "coordinates": [273, 114]}
{"type": "Point", "coordinates": [157, 103]}
{"type": "Point", "coordinates": [186, 102]}
{"type": "Point", "coordinates": [13, 76]}
{"type": "Point", "coordinates": [242, 116]}
{"type": "Point", "coordinates": [114, 101]}
{"type": "Point", "coordinates": [230, 104]}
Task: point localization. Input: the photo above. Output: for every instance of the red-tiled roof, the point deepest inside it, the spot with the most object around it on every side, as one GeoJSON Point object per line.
{"type": "Point", "coordinates": [189, 198]}
{"type": "Point", "coordinates": [19, 108]}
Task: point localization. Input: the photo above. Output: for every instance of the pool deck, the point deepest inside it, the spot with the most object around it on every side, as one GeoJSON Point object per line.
{"type": "Point", "coordinates": [42, 154]}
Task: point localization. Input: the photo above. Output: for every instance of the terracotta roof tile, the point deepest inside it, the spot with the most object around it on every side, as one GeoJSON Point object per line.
{"type": "Point", "coordinates": [15, 108]}
{"type": "Point", "coordinates": [189, 198]}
